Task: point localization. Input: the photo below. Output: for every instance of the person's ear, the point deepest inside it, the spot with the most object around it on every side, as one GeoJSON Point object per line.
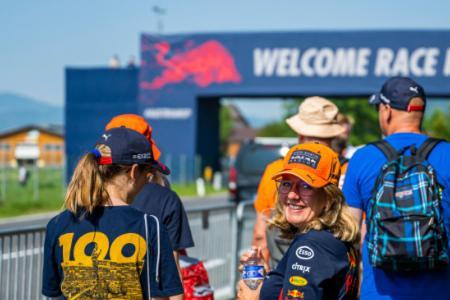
{"type": "Point", "coordinates": [151, 175]}
{"type": "Point", "coordinates": [388, 113]}
{"type": "Point", "coordinates": [134, 171]}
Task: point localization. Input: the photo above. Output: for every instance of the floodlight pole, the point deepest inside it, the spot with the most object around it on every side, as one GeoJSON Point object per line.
{"type": "Point", "coordinates": [159, 12]}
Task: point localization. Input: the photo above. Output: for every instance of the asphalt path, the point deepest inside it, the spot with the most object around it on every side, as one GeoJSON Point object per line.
{"type": "Point", "coordinates": [39, 220]}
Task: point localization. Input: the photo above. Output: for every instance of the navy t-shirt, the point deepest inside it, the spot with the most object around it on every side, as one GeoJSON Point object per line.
{"type": "Point", "coordinates": [363, 169]}
{"type": "Point", "coordinates": [316, 266]}
{"type": "Point", "coordinates": [104, 255]}
{"type": "Point", "coordinates": [165, 204]}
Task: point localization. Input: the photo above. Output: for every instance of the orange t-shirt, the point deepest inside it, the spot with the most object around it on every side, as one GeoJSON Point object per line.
{"type": "Point", "coordinates": [267, 189]}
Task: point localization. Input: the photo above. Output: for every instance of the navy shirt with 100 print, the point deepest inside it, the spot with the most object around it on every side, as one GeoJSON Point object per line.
{"type": "Point", "coordinates": [115, 252]}
{"type": "Point", "coordinates": [316, 266]}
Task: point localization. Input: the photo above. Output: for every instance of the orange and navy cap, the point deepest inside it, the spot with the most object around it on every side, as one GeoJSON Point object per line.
{"type": "Point", "coordinates": [125, 146]}
{"type": "Point", "coordinates": [137, 123]}
{"type": "Point", "coordinates": [314, 163]}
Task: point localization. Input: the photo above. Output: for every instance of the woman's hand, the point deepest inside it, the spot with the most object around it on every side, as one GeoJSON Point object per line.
{"type": "Point", "coordinates": [246, 293]}
{"type": "Point", "coordinates": [255, 252]}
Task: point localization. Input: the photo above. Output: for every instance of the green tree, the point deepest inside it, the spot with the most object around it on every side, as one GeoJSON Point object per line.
{"type": "Point", "coordinates": [277, 129]}
{"type": "Point", "coordinates": [438, 125]}
{"type": "Point", "coordinates": [226, 123]}
{"type": "Point", "coordinates": [365, 129]}
{"type": "Point", "coordinates": [225, 127]}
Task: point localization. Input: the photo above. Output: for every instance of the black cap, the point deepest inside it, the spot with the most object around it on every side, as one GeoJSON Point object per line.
{"type": "Point", "coordinates": [126, 147]}
{"type": "Point", "coordinates": [398, 92]}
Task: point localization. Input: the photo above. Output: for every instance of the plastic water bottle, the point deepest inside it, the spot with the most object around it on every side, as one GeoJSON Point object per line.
{"type": "Point", "coordinates": [253, 273]}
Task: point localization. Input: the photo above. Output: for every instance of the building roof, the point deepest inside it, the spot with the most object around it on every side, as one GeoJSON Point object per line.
{"type": "Point", "coordinates": [241, 130]}
{"type": "Point", "coordinates": [52, 129]}
{"type": "Point", "coordinates": [239, 121]}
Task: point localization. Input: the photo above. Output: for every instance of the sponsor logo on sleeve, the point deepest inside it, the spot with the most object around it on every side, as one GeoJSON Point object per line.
{"type": "Point", "coordinates": [298, 281]}
{"type": "Point", "coordinates": [304, 252]}
{"type": "Point", "coordinates": [295, 294]}
{"type": "Point", "coordinates": [301, 268]}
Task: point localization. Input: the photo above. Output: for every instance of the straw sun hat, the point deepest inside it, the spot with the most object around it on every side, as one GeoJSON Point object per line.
{"type": "Point", "coordinates": [316, 117]}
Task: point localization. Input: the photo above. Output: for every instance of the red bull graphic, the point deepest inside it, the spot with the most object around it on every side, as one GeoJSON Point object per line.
{"type": "Point", "coordinates": [295, 294]}
{"type": "Point", "coordinates": [352, 277]}
{"type": "Point", "coordinates": [202, 65]}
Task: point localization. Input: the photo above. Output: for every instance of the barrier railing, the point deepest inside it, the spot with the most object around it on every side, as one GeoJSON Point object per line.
{"type": "Point", "coordinates": [220, 233]}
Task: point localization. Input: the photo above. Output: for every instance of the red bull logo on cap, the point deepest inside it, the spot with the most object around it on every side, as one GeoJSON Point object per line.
{"type": "Point", "coordinates": [202, 65]}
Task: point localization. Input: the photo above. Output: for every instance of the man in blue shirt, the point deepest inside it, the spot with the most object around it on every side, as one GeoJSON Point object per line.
{"type": "Point", "coordinates": [401, 105]}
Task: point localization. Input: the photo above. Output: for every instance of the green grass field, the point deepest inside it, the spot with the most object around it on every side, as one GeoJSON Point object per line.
{"type": "Point", "coordinates": [47, 193]}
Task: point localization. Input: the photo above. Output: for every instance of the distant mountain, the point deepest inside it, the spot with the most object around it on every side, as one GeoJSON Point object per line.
{"type": "Point", "coordinates": [17, 110]}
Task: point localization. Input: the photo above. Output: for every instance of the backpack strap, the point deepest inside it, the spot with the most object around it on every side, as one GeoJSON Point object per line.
{"type": "Point", "coordinates": [427, 146]}
{"type": "Point", "coordinates": [388, 151]}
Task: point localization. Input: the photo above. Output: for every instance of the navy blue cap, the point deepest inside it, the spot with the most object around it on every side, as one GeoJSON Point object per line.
{"type": "Point", "coordinates": [398, 92]}
{"type": "Point", "coordinates": [126, 147]}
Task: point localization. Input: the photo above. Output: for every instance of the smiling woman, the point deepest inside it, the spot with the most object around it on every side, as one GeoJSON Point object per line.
{"type": "Point", "coordinates": [321, 261]}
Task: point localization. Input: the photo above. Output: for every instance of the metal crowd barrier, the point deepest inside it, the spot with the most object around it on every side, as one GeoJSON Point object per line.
{"type": "Point", "coordinates": [221, 233]}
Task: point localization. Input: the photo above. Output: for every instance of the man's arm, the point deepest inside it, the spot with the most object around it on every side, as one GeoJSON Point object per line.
{"type": "Point", "coordinates": [176, 256]}
{"type": "Point", "coordinates": [259, 235]}
{"type": "Point", "coordinates": [264, 203]}
{"type": "Point", "coordinates": [357, 214]}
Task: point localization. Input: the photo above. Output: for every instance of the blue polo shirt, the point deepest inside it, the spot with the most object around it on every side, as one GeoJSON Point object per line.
{"type": "Point", "coordinates": [316, 266]}
{"type": "Point", "coordinates": [104, 255]}
{"type": "Point", "coordinates": [363, 169]}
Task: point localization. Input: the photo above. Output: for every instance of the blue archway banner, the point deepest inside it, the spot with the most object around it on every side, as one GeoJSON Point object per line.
{"type": "Point", "coordinates": [338, 63]}
{"type": "Point", "coordinates": [178, 70]}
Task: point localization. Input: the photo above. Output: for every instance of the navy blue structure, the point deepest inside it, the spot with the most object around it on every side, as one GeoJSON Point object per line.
{"type": "Point", "coordinates": [93, 97]}
{"type": "Point", "coordinates": [182, 77]}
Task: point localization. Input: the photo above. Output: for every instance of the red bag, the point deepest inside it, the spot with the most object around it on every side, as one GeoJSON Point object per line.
{"type": "Point", "coordinates": [195, 279]}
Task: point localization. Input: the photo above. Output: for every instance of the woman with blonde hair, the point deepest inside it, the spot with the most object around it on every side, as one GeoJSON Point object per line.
{"type": "Point", "coordinates": [100, 247]}
{"type": "Point", "coordinates": [322, 261]}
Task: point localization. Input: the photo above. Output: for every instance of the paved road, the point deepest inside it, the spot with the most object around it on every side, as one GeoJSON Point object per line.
{"type": "Point", "coordinates": [42, 219]}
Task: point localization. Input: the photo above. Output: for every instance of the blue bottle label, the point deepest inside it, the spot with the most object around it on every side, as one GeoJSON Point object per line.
{"type": "Point", "coordinates": [253, 272]}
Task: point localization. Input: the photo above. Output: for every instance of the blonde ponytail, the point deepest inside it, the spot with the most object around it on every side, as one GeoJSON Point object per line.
{"type": "Point", "coordinates": [86, 188]}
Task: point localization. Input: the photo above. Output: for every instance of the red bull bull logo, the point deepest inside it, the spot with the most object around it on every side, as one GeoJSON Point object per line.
{"type": "Point", "coordinates": [295, 294]}
{"type": "Point", "coordinates": [202, 65]}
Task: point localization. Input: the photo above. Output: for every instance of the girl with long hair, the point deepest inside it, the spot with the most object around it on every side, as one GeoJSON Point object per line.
{"type": "Point", "coordinates": [100, 247]}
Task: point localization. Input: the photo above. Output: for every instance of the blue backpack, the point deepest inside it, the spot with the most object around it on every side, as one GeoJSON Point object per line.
{"type": "Point", "coordinates": [405, 229]}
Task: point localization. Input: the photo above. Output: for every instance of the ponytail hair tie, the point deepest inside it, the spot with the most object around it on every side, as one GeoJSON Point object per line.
{"type": "Point", "coordinates": [96, 153]}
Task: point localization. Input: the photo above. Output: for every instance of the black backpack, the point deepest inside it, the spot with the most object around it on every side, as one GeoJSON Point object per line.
{"type": "Point", "coordinates": [405, 229]}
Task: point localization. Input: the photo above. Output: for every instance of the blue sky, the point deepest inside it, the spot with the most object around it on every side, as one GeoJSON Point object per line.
{"type": "Point", "coordinates": [38, 39]}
